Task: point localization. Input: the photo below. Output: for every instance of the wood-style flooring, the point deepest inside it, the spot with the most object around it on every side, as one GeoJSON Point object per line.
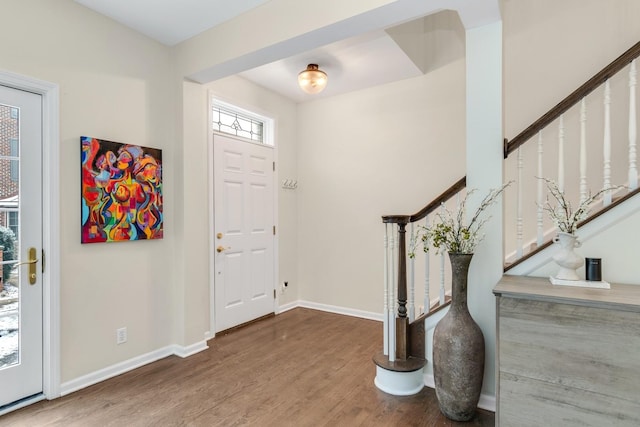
{"type": "Point", "coordinates": [300, 368]}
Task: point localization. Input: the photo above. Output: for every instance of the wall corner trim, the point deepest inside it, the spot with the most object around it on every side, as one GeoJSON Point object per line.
{"type": "Point", "coordinates": [190, 350]}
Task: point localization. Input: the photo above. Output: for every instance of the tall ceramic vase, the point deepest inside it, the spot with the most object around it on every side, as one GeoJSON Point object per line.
{"type": "Point", "coordinates": [566, 258]}
{"type": "Point", "coordinates": [458, 350]}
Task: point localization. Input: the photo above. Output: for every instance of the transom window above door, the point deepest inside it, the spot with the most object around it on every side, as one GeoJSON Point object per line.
{"type": "Point", "coordinates": [232, 120]}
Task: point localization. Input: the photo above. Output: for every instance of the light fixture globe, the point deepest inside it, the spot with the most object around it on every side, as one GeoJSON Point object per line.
{"type": "Point", "coordinates": [312, 80]}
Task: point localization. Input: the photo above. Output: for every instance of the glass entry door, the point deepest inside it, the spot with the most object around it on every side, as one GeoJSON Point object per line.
{"type": "Point", "coordinates": [20, 245]}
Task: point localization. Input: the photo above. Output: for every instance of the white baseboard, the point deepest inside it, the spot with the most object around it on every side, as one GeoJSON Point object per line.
{"type": "Point", "coordinates": [486, 402]}
{"type": "Point", "coordinates": [428, 381]}
{"type": "Point", "coordinates": [190, 350]}
{"type": "Point", "coordinates": [340, 310]}
{"type": "Point", "coordinates": [129, 365]}
{"type": "Point", "coordinates": [287, 307]}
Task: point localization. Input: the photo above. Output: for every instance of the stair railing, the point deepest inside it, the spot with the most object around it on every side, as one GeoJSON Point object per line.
{"type": "Point", "coordinates": [399, 284]}
{"type": "Point", "coordinates": [586, 128]}
{"type": "Point", "coordinates": [571, 128]}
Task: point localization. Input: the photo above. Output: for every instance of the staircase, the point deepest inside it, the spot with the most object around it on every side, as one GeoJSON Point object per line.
{"type": "Point", "coordinates": [564, 129]}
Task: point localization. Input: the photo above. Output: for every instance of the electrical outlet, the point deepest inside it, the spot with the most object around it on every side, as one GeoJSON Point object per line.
{"type": "Point", "coordinates": [284, 287]}
{"type": "Point", "coordinates": [121, 335]}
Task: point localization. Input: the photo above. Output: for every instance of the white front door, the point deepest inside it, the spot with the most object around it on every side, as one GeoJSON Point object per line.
{"type": "Point", "coordinates": [244, 231]}
{"type": "Point", "coordinates": [21, 210]}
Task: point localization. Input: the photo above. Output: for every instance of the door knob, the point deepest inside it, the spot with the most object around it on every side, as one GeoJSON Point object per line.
{"type": "Point", "coordinates": [221, 249]}
{"type": "Point", "coordinates": [32, 265]}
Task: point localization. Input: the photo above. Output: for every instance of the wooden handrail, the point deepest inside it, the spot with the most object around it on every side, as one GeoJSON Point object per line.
{"type": "Point", "coordinates": [432, 206]}
{"type": "Point", "coordinates": [572, 99]}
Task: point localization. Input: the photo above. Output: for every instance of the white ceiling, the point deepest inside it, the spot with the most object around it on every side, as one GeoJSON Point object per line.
{"type": "Point", "coordinates": [171, 21]}
{"type": "Point", "coordinates": [356, 63]}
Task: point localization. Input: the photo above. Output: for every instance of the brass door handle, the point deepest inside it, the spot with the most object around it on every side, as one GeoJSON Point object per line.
{"type": "Point", "coordinates": [32, 265]}
{"type": "Point", "coordinates": [221, 249]}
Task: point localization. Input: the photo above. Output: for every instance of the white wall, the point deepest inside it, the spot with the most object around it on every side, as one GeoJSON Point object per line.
{"type": "Point", "coordinates": [384, 150]}
{"type": "Point", "coordinates": [552, 47]}
{"type": "Point", "coordinates": [113, 85]}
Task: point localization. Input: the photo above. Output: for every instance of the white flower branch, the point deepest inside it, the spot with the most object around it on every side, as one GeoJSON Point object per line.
{"type": "Point", "coordinates": [450, 233]}
{"type": "Point", "coordinates": [560, 210]}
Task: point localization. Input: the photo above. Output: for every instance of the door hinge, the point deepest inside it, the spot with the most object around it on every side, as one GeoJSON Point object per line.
{"type": "Point", "coordinates": [43, 260]}
{"type": "Point", "coordinates": [274, 230]}
{"type": "Point", "coordinates": [274, 166]}
{"type": "Point", "coordinates": [274, 294]}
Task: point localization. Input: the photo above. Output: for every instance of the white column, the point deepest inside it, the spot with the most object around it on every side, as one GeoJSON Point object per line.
{"type": "Point", "coordinates": [606, 146]}
{"type": "Point", "coordinates": [584, 191]}
{"type": "Point", "coordinates": [633, 130]}
{"type": "Point", "coordinates": [485, 172]}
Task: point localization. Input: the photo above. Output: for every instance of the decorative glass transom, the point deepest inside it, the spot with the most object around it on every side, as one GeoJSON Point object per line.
{"type": "Point", "coordinates": [238, 124]}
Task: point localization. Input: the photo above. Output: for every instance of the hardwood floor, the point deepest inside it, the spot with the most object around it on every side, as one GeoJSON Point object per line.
{"type": "Point", "coordinates": [300, 368]}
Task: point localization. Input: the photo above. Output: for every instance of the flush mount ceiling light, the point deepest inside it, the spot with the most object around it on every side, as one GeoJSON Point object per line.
{"type": "Point", "coordinates": [312, 80]}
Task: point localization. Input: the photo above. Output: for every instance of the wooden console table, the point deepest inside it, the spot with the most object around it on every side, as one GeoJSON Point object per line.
{"type": "Point", "coordinates": [567, 356]}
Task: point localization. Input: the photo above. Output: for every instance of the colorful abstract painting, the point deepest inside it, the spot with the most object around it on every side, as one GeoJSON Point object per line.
{"type": "Point", "coordinates": [121, 191]}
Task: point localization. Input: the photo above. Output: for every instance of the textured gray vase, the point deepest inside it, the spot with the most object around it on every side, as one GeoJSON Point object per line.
{"type": "Point", "coordinates": [458, 350]}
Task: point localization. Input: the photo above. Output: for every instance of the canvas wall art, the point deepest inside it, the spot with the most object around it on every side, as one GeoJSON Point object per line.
{"type": "Point", "coordinates": [121, 191]}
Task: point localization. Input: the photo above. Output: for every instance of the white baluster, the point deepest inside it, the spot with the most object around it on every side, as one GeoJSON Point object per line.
{"type": "Point", "coordinates": [540, 197]}
{"type": "Point", "coordinates": [607, 143]}
{"type": "Point", "coordinates": [427, 302]}
{"type": "Point", "coordinates": [633, 169]}
{"type": "Point", "coordinates": [519, 220]}
{"type": "Point", "coordinates": [412, 285]}
{"type": "Point", "coordinates": [392, 297]}
{"type": "Point", "coordinates": [385, 309]}
{"type": "Point", "coordinates": [561, 154]}
{"type": "Point", "coordinates": [442, 293]}
{"type": "Point", "coordinates": [583, 152]}
{"type": "Point", "coordinates": [442, 272]}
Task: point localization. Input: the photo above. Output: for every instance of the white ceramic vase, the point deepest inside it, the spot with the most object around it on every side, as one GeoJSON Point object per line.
{"type": "Point", "coordinates": [566, 257]}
